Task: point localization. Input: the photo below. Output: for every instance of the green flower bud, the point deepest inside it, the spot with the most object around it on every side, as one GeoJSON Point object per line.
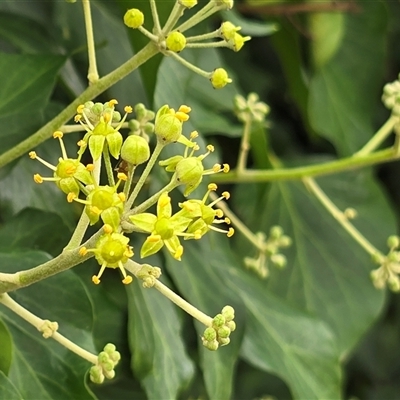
{"type": "Point", "coordinates": [133, 18]}
{"type": "Point", "coordinates": [103, 358]}
{"type": "Point", "coordinates": [209, 334]}
{"type": "Point", "coordinates": [213, 346]}
{"type": "Point", "coordinates": [135, 150]}
{"type": "Point", "coordinates": [148, 128]}
{"type": "Point", "coordinates": [231, 325]}
{"type": "Point", "coordinates": [279, 260]}
{"type": "Point", "coordinates": [276, 232]}
{"type": "Point", "coordinates": [109, 348]}
{"type": "Point", "coordinates": [68, 185]}
{"type": "Point", "coordinates": [223, 332]}
{"type": "Point", "coordinates": [140, 111]}
{"type": "Point", "coordinates": [219, 78]}
{"type": "Point", "coordinates": [175, 41]}
{"type": "Point", "coordinates": [394, 283]}
{"type": "Point", "coordinates": [393, 242]}
{"type": "Point", "coordinates": [218, 321]}
{"type": "Point", "coordinates": [112, 217]}
{"type": "Point", "coordinates": [168, 128]}
{"type": "Point", "coordinates": [189, 170]}
{"type": "Point", "coordinates": [224, 341]}
{"type": "Point", "coordinates": [96, 374]}
{"type": "Point", "coordinates": [133, 125]}
{"type": "Point", "coordinates": [228, 312]}
{"type": "Point", "coordinates": [109, 374]}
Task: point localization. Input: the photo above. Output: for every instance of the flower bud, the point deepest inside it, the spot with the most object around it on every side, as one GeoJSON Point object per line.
{"type": "Point", "coordinates": [135, 150]}
{"type": "Point", "coordinates": [188, 3]}
{"type": "Point", "coordinates": [209, 334]}
{"type": "Point", "coordinates": [393, 242]}
{"type": "Point", "coordinates": [219, 78]}
{"type": "Point", "coordinates": [224, 341]}
{"type": "Point", "coordinates": [224, 332]}
{"type": "Point", "coordinates": [133, 18]}
{"type": "Point", "coordinates": [218, 321]}
{"type": "Point", "coordinates": [96, 374]}
{"type": "Point", "coordinates": [228, 312]}
{"type": "Point", "coordinates": [189, 170]}
{"type": "Point", "coordinates": [213, 346]}
{"type": "Point", "coordinates": [168, 128]}
{"type": "Point", "coordinates": [175, 41]}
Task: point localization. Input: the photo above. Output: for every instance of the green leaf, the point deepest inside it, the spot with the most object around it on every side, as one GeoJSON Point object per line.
{"type": "Point", "coordinates": [158, 354]}
{"type": "Point", "coordinates": [7, 389]}
{"type": "Point", "coordinates": [6, 349]}
{"type": "Point", "coordinates": [27, 84]}
{"type": "Point", "coordinates": [60, 298]}
{"type": "Point", "coordinates": [344, 91]}
{"type": "Point", "coordinates": [327, 273]}
{"type": "Point", "coordinates": [34, 229]}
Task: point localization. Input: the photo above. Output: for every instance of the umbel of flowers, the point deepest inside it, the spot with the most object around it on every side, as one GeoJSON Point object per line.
{"type": "Point", "coordinates": [171, 39]}
{"type": "Point", "coordinates": [114, 202]}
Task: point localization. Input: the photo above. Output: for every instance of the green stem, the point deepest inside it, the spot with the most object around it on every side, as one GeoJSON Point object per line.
{"type": "Point", "coordinates": [176, 13]}
{"type": "Point", "coordinates": [38, 323]}
{"type": "Point", "coordinates": [79, 232]}
{"type": "Point", "coordinates": [379, 137]}
{"type": "Point", "coordinates": [145, 174]}
{"type": "Point", "coordinates": [208, 45]}
{"type": "Point", "coordinates": [188, 65]}
{"type": "Point", "coordinates": [91, 92]}
{"type": "Point", "coordinates": [128, 183]}
{"type": "Point", "coordinates": [209, 9]}
{"type": "Point", "coordinates": [340, 217]}
{"type": "Point", "coordinates": [244, 146]}
{"type": "Point", "coordinates": [148, 34]}
{"type": "Point", "coordinates": [134, 268]}
{"type": "Point", "coordinates": [154, 14]}
{"type": "Point", "coordinates": [107, 164]}
{"type": "Point", "coordinates": [327, 168]}
{"type": "Point", "coordinates": [66, 260]}
{"type": "Point", "coordinates": [93, 75]}
{"type": "Point", "coordinates": [204, 36]}
{"type": "Point", "coordinates": [237, 223]}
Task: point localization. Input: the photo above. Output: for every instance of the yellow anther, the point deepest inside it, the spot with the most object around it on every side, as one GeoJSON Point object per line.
{"type": "Point", "coordinates": [58, 135]}
{"type": "Point", "coordinates": [226, 168]}
{"type": "Point", "coordinates": [77, 118]}
{"type": "Point", "coordinates": [90, 167]}
{"type": "Point", "coordinates": [127, 280]}
{"type": "Point", "coordinates": [82, 143]}
{"type": "Point", "coordinates": [95, 279]}
{"type": "Point", "coordinates": [129, 252]}
{"type": "Point", "coordinates": [178, 253]}
{"type": "Point", "coordinates": [227, 220]}
{"type": "Point", "coordinates": [194, 135]}
{"type": "Point", "coordinates": [107, 228]}
{"type": "Point", "coordinates": [216, 168]}
{"type": "Point", "coordinates": [32, 154]}
{"type": "Point", "coordinates": [197, 234]}
{"type": "Point", "coordinates": [122, 196]}
{"type": "Point", "coordinates": [181, 116]}
{"type": "Point", "coordinates": [37, 178]}
{"type": "Point", "coordinates": [128, 109]}
{"type": "Point", "coordinates": [230, 233]}
{"type": "Point", "coordinates": [154, 238]}
{"type": "Point", "coordinates": [185, 109]}
{"type": "Point", "coordinates": [70, 169]}
{"type": "Point", "coordinates": [83, 251]}
{"type": "Point", "coordinates": [226, 195]}
{"type": "Point", "coordinates": [71, 197]}
{"type": "Point", "coordinates": [210, 147]}
{"type": "Point", "coordinates": [112, 102]}
{"type": "Point", "coordinates": [122, 176]}
{"type": "Point", "coordinates": [196, 147]}
{"type": "Point", "coordinates": [80, 108]}
{"type": "Point", "coordinates": [212, 186]}
{"type": "Point", "coordinates": [219, 213]}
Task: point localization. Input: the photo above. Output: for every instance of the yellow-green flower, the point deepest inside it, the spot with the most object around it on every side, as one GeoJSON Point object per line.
{"type": "Point", "coordinates": [69, 173]}
{"type": "Point", "coordinates": [111, 251]}
{"type": "Point", "coordinates": [203, 216]}
{"type": "Point", "coordinates": [102, 133]}
{"type": "Point", "coordinates": [164, 229]}
{"type": "Point", "coordinates": [104, 202]}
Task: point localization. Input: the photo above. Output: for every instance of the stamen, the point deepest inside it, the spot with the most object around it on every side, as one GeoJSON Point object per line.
{"type": "Point", "coordinates": [37, 178]}
{"type": "Point", "coordinates": [128, 109]}
{"type": "Point", "coordinates": [80, 109]}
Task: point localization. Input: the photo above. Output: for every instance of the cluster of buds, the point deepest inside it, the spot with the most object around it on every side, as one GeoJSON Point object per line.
{"type": "Point", "coordinates": [269, 252]}
{"type": "Point", "coordinates": [389, 267]}
{"type": "Point", "coordinates": [391, 97]}
{"type": "Point", "coordinates": [107, 360]}
{"type": "Point", "coordinates": [221, 327]}
{"type": "Point", "coordinates": [171, 39]}
{"type": "Point", "coordinates": [250, 108]}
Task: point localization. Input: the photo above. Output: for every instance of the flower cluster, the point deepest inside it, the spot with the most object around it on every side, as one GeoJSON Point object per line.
{"type": "Point", "coordinates": [111, 203]}
{"type": "Point", "coordinates": [107, 360]}
{"type": "Point", "coordinates": [218, 333]}
{"type": "Point", "coordinates": [171, 39]}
